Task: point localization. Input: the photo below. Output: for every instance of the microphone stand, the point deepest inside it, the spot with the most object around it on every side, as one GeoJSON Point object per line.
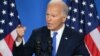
{"type": "Point", "coordinates": [38, 47]}
{"type": "Point", "coordinates": [50, 46]}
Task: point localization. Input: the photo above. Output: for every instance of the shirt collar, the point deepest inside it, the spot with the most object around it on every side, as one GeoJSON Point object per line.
{"type": "Point", "coordinates": [60, 31]}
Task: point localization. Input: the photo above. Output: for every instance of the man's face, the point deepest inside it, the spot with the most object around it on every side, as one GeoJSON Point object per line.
{"type": "Point", "coordinates": [54, 17]}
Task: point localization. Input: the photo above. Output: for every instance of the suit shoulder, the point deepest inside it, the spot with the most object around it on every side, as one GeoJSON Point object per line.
{"type": "Point", "coordinates": [73, 32]}
{"type": "Point", "coordinates": [40, 30]}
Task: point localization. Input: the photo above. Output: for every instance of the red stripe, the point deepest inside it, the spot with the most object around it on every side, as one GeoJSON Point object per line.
{"type": "Point", "coordinates": [0, 54]}
{"type": "Point", "coordinates": [91, 46]}
{"type": "Point", "coordinates": [9, 40]}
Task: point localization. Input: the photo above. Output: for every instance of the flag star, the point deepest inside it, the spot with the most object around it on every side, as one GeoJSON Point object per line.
{"type": "Point", "coordinates": [3, 12]}
{"type": "Point", "coordinates": [91, 5]}
{"type": "Point", "coordinates": [1, 31]}
{"type": "Point", "coordinates": [97, 17]}
{"type": "Point", "coordinates": [18, 17]}
{"type": "Point", "coordinates": [11, 14]}
{"type": "Point", "coordinates": [73, 19]}
{"type": "Point", "coordinates": [67, 25]}
{"type": "Point", "coordinates": [70, 8]}
{"type": "Point", "coordinates": [84, 3]}
{"type": "Point", "coordinates": [75, 10]}
{"type": "Point", "coordinates": [68, 17]}
{"type": "Point", "coordinates": [90, 14]}
{"type": "Point", "coordinates": [81, 21]}
{"type": "Point", "coordinates": [2, 21]}
{"type": "Point", "coordinates": [12, 5]}
{"type": "Point", "coordinates": [82, 12]}
{"type": "Point", "coordinates": [76, 1]}
{"type": "Point", "coordinates": [72, 27]}
{"type": "Point", "coordinates": [10, 23]}
{"type": "Point", "coordinates": [81, 30]}
{"type": "Point", "coordinates": [89, 23]}
{"type": "Point", "coordinates": [5, 2]}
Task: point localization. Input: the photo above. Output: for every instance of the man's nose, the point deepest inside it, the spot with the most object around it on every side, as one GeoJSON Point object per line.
{"type": "Point", "coordinates": [49, 18]}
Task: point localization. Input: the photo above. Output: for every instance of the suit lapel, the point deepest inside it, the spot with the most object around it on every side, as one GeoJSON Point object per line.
{"type": "Point", "coordinates": [63, 42]}
{"type": "Point", "coordinates": [63, 45]}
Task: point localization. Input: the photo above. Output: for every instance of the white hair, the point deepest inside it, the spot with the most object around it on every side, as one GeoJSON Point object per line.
{"type": "Point", "coordinates": [65, 6]}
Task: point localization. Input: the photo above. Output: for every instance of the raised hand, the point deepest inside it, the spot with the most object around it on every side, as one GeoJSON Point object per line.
{"type": "Point", "coordinates": [20, 32]}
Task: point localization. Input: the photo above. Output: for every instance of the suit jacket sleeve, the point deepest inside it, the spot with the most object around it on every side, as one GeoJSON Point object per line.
{"type": "Point", "coordinates": [18, 51]}
{"type": "Point", "coordinates": [29, 47]}
{"type": "Point", "coordinates": [25, 50]}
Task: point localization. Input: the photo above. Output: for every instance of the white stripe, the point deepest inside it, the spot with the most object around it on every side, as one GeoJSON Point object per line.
{"type": "Point", "coordinates": [95, 34]}
{"type": "Point", "coordinates": [4, 49]}
{"type": "Point", "coordinates": [14, 34]}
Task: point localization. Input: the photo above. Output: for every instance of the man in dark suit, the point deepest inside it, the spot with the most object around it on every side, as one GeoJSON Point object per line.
{"type": "Point", "coordinates": [66, 41]}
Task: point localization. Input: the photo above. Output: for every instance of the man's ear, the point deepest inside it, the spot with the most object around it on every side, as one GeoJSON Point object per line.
{"type": "Point", "coordinates": [64, 18]}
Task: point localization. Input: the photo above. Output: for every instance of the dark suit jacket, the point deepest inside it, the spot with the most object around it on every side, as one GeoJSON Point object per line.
{"type": "Point", "coordinates": [72, 43]}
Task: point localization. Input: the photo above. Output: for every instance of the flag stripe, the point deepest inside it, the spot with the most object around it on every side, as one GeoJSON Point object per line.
{"type": "Point", "coordinates": [0, 54]}
{"type": "Point", "coordinates": [14, 34]}
{"type": "Point", "coordinates": [95, 34]}
{"type": "Point", "coordinates": [9, 41]}
{"type": "Point", "coordinates": [4, 49]}
{"type": "Point", "coordinates": [91, 46]}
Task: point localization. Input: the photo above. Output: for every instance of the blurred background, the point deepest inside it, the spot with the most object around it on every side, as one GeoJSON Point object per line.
{"type": "Point", "coordinates": [32, 13]}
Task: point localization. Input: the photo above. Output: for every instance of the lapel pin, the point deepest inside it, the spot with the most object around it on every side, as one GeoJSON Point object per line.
{"type": "Point", "coordinates": [66, 38]}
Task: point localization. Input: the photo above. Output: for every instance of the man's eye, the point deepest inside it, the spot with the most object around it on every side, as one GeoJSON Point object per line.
{"type": "Point", "coordinates": [53, 15]}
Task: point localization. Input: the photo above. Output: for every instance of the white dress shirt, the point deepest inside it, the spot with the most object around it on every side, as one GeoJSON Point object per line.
{"type": "Point", "coordinates": [58, 36]}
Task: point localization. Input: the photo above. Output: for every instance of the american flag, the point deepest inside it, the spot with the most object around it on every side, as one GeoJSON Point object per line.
{"type": "Point", "coordinates": [8, 22]}
{"type": "Point", "coordinates": [84, 19]}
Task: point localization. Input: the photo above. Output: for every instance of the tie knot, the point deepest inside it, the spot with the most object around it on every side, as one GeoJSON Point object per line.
{"type": "Point", "coordinates": [54, 34]}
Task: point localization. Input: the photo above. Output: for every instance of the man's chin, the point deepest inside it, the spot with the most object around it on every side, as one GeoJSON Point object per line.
{"type": "Point", "coordinates": [50, 28]}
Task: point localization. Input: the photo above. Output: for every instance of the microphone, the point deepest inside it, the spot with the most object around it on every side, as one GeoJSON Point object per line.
{"type": "Point", "coordinates": [38, 46]}
{"type": "Point", "coordinates": [49, 48]}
